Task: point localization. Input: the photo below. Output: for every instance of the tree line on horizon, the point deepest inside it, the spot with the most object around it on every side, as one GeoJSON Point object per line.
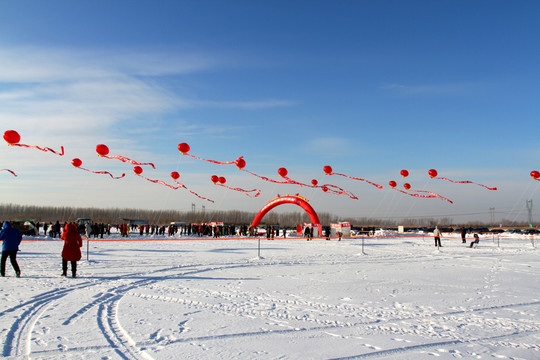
{"type": "Point", "coordinates": [162, 217]}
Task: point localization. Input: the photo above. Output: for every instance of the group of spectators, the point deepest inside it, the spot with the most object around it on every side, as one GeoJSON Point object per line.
{"type": "Point", "coordinates": [101, 230]}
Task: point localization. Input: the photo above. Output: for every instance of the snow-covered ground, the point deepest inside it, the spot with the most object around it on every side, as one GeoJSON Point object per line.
{"type": "Point", "coordinates": [393, 298]}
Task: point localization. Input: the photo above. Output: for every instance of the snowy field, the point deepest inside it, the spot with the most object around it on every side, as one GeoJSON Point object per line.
{"type": "Point", "coordinates": [394, 298]}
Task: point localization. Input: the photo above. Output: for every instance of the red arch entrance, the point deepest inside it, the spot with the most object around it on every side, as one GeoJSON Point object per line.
{"type": "Point", "coordinates": [297, 200]}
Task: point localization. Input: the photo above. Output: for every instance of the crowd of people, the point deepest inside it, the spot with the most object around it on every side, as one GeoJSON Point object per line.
{"type": "Point", "coordinates": [100, 230]}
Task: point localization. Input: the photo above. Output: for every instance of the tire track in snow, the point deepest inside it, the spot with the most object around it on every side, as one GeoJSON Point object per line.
{"type": "Point", "coordinates": [17, 339]}
{"type": "Point", "coordinates": [19, 335]}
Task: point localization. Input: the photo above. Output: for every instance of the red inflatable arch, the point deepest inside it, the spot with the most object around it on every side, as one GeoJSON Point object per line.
{"type": "Point", "coordinates": [297, 200]}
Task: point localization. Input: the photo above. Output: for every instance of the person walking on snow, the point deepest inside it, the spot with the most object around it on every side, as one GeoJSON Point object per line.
{"type": "Point", "coordinates": [72, 249]}
{"type": "Point", "coordinates": [11, 238]}
{"type": "Point", "coordinates": [437, 235]}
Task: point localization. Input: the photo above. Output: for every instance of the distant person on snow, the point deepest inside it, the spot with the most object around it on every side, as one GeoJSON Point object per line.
{"type": "Point", "coordinates": [475, 241]}
{"type": "Point", "coordinates": [437, 235]}
{"type": "Point", "coordinates": [307, 233]}
{"type": "Point", "coordinates": [463, 234]}
{"type": "Point", "coordinates": [72, 249]}
{"type": "Point", "coordinates": [87, 230]}
{"type": "Point", "coordinates": [11, 238]}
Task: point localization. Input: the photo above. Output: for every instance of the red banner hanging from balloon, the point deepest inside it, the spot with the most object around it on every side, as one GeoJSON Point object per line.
{"type": "Point", "coordinates": [417, 193]}
{"type": "Point", "coordinates": [434, 175]}
{"type": "Point", "coordinates": [220, 180]}
{"type": "Point", "coordinates": [328, 171]}
{"type": "Point", "coordinates": [12, 138]}
{"type": "Point", "coordinates": [184, 149]}
{"type": "Point", "coordinates": [78, 162]}
{"type": "Point", "coordinates": [11, 171]}
{"type": "Point", "coordinates": [138, 171]}
{"type": "Point", "coordinates": [175, 176]}
{"type": "Point", "coordinates": [103, 151]}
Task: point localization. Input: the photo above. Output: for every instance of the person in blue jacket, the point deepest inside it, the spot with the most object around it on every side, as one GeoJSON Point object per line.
{"type": "Point", "coordinates": [11, 238]}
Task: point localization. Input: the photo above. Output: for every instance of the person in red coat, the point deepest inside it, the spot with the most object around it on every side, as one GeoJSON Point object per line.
{"type": "Point", "coordinates": [72, 248]}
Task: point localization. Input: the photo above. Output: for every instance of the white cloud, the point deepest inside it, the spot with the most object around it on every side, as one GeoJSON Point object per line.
{"type": "Point", "coordinates": [444, 88]}
{"type": "Point", "coordinates": [88, 91]}
{"type": "Point", "coordinates": [258, 104]}
{"type": "Point", "coordinates": [329, 146]}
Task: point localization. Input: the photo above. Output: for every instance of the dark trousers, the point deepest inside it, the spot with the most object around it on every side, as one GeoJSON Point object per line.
{"type": "Point", "coordinates": [12, 254]}
{"type": "Point", "coordinates": [437, 241]}
{"type": "Point", "coordinates": [65, 266]}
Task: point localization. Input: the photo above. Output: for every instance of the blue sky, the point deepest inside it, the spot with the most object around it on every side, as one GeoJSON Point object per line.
{"type": "Point", "coordinates": [368, 87]}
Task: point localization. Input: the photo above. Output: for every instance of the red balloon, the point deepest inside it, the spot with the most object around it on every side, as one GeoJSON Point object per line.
{"type": "Point", "coordinates": [214, 178]}
{"type": "Point", "coordinates": [404, 173]}
{"type": "Point", "coordinates": [407, 186]}
{"type": "Point", "coordinates": [324, 188]}
{"type": "Point", "coordinates": [175, 175]}
{"type": "Point", "coordinates": [432, 173]}
{"type": "Point", "coordinates": [240, 163]}
{"type": "Point", "coordinates": [76, 162]}
{"type": "Point", "coordinates": [535, 174]}
{"type": "Point", "coordinates": [392, 183]}
{"type": "Point", "coordinates": [12, 137]}
{"type": "Point", "coordinates": [138, 170]}
{"type": "Point", "coordinates": [327, 169]}
{"type": "Point", "coordinates": [183, 148]}
{"type": "Point", "coordinates": [222, 180]}
{"type": "Point", "coordinates": [282, 172]}
{"type": "Point", "coordinates": [102, 150]}
{"type": "Point", "coordinates": [314, 182]}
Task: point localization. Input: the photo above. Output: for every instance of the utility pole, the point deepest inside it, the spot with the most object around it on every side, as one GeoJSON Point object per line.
{"type": "Point", "coordinates": [529, 208]}
{"type": "Point", "coordinates": [193, 207]}
{"type": "Point", "coordinates": [492, 214]}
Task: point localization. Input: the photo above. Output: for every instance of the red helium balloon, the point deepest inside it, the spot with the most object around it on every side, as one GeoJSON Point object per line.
{"type": "Point", "coordinates": [327, 169]}
{"type": "Point", "coordinates": [222, 180]}
{"type": "Point", "coordinates": [404, 173]}
{"type": "Point", "coordinates": [432, 173]}
{"type": "Point", "coordinates": [407, 186]}
{"type": "Point", "coordinates": [12, 137]}
{"type": "Point", "coordinates": [76, 162]}
{"type": "Point", "coordinates": [102, 149]}
{"type": "Point", "coordinates": [282, 172]}
{"type": "Point", "coordinates": [183, 148]}
{"type": "Point", "coordinates": [324, 188]}
{"type": "Point", "coordinates": [138, 170]}
{"type": "Point", "coordinates": [535, 174]}
{"type": "Point", "coordinates": [175, 175]}
{"type": "Point", "coordinates": [214, 178]}
{"type": "Point", "coordinates": [240, 163]}
{"type": "Point", "coordinates": [392, 183]}
{"type": "Point", "coordinates": [314, 182]}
